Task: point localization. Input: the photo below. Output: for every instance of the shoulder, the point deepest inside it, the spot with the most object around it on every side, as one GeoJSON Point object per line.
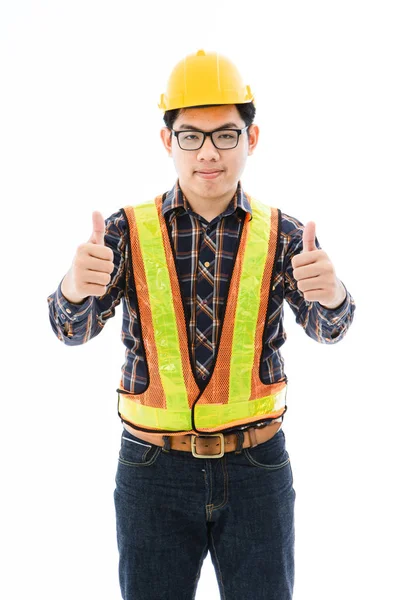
{"type": "Point", "coordinates": [116, 224]}
{"type": "Point", "coordinates": [290, 226]}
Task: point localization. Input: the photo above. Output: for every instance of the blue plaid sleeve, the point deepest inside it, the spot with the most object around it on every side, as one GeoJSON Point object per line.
{"type": "Point", "coordinates": [75, 324]}
{"type": "Point", "coordinates": [324, 325]}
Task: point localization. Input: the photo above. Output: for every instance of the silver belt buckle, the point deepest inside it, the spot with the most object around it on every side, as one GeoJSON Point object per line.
{"type": "Point", "coordinates": [193, 442]}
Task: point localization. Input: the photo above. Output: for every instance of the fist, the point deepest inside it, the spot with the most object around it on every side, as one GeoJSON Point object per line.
{"type": "Point", "coordinates": [91, 269]}
{"type": "Point", "coordinates": [315, 274]}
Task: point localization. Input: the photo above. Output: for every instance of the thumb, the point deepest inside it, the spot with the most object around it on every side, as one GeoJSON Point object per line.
{"type": "Point", "coordinates": [99, 229]}
{"type": "Point", "coordinates": [309, 237]}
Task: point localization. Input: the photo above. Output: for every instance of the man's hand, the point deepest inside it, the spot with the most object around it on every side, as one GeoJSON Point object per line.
{"type": "Point", "coordinates": [92, 266]}
{"type": "Point", "coordinates": [315, 273]}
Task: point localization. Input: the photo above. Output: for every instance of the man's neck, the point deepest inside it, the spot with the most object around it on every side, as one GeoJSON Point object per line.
{"type": "Point", "coordinates": [209, 208]}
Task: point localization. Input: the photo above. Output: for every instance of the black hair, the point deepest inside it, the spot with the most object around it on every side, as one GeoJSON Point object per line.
{"type": "Point", "coordinates": [247, 112]}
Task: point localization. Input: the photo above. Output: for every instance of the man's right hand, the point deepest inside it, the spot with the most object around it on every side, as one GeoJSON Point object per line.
{"type": "Point", "coordinates": [91, 269]}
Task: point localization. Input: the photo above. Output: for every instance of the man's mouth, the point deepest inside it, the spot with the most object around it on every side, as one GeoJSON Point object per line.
{"type": "Point", "coordinates": [209, 174]}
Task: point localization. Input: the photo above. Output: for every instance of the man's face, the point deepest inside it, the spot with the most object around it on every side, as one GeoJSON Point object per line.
{"type": "Point", "coordinates": [229, 163]}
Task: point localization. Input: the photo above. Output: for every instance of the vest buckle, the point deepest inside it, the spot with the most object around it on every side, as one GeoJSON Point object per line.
{"type": "Point", "coordinates": [193, 443]}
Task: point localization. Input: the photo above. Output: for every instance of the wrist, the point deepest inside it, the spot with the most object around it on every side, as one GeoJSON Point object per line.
{"type": "Point", "coordinates": [68, 293]}
{"type": "Point", "coordinates": [340, 298]}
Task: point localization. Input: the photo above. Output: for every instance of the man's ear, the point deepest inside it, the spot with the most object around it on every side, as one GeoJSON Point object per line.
{"type": "Point", "coordinates": [166, 137]}
{"type": "Point", "coordinates": [253, 138]}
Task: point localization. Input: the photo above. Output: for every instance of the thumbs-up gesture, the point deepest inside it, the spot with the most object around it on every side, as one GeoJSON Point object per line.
{"type": "Point", "coordinates": [315, 273]}
{"type": "Point", "coordinates": [91, 269]}
{"type": "Point", "coordinates": [99, 229]}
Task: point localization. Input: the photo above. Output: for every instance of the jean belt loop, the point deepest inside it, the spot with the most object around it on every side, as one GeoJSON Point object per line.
{"type": "Point", "coordinates": [253, 438]}
{"type": "Point", "coordinates": [240, 437]}
{"type": "Point", "coordinates": [167, 443]}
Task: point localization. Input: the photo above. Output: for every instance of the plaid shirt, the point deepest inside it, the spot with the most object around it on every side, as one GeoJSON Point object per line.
{"type": "Point", "coordinates": [76, 324]}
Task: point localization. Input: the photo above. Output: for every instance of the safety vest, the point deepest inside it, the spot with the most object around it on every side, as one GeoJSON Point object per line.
{"type": "Point", "coordinates": [174, 402]}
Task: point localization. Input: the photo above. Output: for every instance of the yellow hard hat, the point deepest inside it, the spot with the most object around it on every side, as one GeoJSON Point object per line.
{"type": "Point", "coordinates": [204, 78]}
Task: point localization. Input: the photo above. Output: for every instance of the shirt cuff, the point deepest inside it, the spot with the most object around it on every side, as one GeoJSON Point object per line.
{"type": "Point", "coordinates": [68, 310]}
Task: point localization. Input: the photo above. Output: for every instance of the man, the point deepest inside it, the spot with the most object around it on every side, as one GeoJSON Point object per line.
{"type": "Point", "coordinates": [203, 271]}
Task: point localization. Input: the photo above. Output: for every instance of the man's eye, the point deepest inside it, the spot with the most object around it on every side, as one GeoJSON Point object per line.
{"type": "Point", "coordinates": [190, 136]}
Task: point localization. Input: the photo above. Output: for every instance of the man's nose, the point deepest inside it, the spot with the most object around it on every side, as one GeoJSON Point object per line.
{"type": "Point", "coordinates": [208, 149]}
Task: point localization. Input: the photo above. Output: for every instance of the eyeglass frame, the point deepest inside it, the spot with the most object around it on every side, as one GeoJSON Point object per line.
{"type": "Point", "coordinates": [208, 133]}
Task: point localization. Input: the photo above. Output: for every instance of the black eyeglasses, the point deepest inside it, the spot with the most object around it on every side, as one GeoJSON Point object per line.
{"type": "Point", "coordinates": [223, 139]}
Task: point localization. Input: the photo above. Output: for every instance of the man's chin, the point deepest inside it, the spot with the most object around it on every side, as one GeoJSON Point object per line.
{"type": "Point", "coordinates": [203, 187]}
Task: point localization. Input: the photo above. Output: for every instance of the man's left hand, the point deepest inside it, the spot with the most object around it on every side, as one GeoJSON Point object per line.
{"type": "Point", "coordinates": [315, 273]}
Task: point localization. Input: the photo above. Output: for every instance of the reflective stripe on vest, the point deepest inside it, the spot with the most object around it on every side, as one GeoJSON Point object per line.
{"type": "Point", "coordinates": [234, 394]}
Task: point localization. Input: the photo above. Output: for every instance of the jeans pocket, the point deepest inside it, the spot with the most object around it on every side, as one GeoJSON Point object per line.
{"type": "Point", "coordinates": [270, 455]}
{"type": "Point", "coordinates": [135, 452]}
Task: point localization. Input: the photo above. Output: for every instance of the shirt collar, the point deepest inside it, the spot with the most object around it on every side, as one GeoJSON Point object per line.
{"type": "Point", "coordinates": [176, 201]}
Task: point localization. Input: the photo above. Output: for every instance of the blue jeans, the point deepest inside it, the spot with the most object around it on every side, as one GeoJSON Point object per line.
{"type": "Point", "coordinates": [172, 508]}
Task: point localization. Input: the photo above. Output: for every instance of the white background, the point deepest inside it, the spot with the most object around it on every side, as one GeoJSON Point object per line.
{"type": "Point", "coordinates": [79, 131]}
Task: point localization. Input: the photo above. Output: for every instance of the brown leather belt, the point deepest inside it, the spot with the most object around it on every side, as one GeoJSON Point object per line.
{"type": "Point", "coordinates": [212, 445]}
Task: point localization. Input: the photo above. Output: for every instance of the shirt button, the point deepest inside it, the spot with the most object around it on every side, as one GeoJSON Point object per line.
{"type": "Point", "coordinates": [68, 310]}
{"type": "Point", "coordinates": [207, 264]}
